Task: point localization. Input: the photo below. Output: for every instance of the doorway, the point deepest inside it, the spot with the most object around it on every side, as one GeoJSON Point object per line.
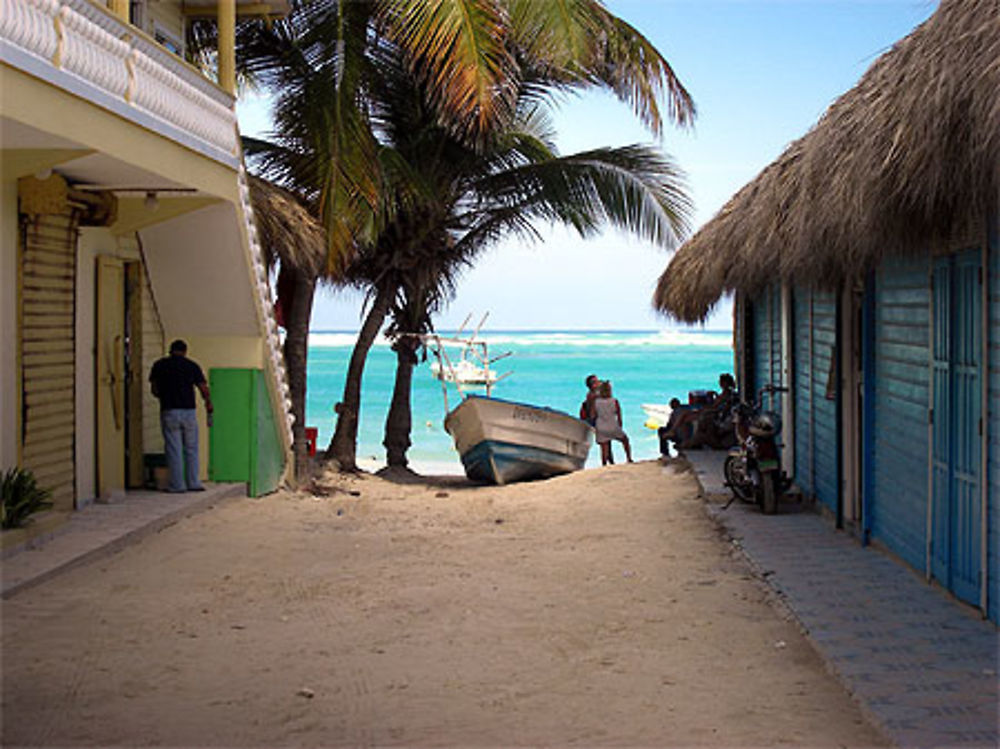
{"type": "Point", "coordinates": [955, 503]}
{"type": "Point", "coordinates": [117, 353]}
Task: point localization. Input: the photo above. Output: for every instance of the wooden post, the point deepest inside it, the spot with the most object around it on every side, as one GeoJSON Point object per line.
{"type": "Point", "coordinates": [227, 45]}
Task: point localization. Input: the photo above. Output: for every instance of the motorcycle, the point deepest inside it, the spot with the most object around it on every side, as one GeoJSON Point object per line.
{"type": "Point", "coordinates": [753, 468]}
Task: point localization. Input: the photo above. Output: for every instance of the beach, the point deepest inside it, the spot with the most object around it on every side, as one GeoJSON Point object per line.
{"type": "Point", "coordinates": [547, 368]}
{"type": "Point", "coordinates": [602, 608]}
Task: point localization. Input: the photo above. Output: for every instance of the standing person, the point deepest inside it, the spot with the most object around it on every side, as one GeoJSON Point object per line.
{"type": "Point", "coordinates": [587, 407]}
{"type": "Point", "coordinates": [609, 424]}
{"type": "Point", "coordinates": [173, 380]}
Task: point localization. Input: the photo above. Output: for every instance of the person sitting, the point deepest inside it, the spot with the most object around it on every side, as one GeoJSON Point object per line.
{"type": "Point", "coordinates": [711, 426]}
{"type": "Point", "coordinates": [669, 430]}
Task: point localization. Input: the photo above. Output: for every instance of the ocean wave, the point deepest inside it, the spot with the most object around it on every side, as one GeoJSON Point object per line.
{"type": "Point", "coordinates": [581, 339]}
{"type": "Point", "coordinates": [601, 338]}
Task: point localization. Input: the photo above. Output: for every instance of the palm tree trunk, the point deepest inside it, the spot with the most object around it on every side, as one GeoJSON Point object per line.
{"type": "Point", "coordinates": [344, 445]}
{"type": "Point", "coordinates": [399, 421]}
{"type": "Point", "coordinates": [297, 315]}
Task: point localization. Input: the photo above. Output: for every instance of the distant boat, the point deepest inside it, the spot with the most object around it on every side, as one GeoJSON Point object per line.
{"type": "Point", "coordinates": [503, 441]}
{"type": "Point", "coordinates": [658, 413]}
{"type": "Point", "coordinates": [464, 373]}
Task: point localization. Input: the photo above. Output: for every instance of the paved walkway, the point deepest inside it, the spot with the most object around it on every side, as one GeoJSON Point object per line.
{"type": "Point", "coordinates": [923, 666]}
{"type": "Point", "coordinates": [102, 529]}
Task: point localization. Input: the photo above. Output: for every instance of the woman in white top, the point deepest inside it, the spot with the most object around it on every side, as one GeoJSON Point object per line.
{"type": "Point", "coordinates": [608, 413]}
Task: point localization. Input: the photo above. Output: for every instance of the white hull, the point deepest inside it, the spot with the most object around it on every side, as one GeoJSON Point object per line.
{"type": "Point", "coordinates": [505, 441]}
{"type": "Point", "coordinates": [658, 413]}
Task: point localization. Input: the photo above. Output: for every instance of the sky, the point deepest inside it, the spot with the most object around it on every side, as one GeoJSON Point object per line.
{"type": "Point", "coordinates": [761, 74]}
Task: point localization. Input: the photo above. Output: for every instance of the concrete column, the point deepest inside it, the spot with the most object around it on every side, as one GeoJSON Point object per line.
{"type": "Point", "coordinates": [120, 9]}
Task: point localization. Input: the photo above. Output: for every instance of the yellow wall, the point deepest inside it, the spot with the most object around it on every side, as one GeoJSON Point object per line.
{"type": "Point", "coordinates": [32, 102]}
{"type": "Point", "coordinates": [8, 321]}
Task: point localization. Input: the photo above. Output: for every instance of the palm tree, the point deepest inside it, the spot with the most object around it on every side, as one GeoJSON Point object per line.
{"type": "Point", "coordinates": [470, 58]}
{"type": "Point", "coordinates": [458, 200]}
{"type": "Point", "coordinates": [295, 244]}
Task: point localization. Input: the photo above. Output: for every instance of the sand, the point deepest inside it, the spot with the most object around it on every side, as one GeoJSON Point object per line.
{"type": "Point", "coordinates": [598, 609]}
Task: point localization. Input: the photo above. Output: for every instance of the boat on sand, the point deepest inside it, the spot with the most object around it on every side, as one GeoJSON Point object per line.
{"type": "Point", "coordinates": [503, 441]}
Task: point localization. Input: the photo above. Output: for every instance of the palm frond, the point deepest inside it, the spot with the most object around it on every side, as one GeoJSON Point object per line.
{"type": "Point", "coordinates": [457, 48]}
{"type": "Point", "coordinates": [635, 188]}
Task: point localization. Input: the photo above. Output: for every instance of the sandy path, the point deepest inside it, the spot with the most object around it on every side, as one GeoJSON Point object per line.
{"type": "Point", "coordinates": [596, 609]}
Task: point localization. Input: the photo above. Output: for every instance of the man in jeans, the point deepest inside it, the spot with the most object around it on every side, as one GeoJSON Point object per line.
{"type": "Point", "coordinates": [173, 380]}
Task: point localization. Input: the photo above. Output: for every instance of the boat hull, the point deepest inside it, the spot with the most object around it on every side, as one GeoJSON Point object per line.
{"type": "Point", "coordinates": [502, 441]}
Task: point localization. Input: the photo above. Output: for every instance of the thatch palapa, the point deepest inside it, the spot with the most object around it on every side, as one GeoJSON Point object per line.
{"type": "Point", "coordinates": [908, 156]}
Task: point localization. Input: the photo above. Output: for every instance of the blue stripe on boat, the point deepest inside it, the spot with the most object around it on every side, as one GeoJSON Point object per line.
{"type": "Point", "coordinates": [504, 462]}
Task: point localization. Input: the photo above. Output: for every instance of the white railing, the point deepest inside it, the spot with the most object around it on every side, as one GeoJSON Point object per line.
{"type": "Point", "coordinates": [136, 74]}
{"type": "Point", "coordinates": [275, 360]}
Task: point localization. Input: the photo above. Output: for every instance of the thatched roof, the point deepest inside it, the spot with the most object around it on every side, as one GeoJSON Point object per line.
{"type": "Point", "coordinates": [909, 155]}
{"type": "Point", "coordinates": [287, 230]}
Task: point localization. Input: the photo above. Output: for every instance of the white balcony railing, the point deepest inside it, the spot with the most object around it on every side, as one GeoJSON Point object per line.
{"type": "Point", "coordinates": [79, 42]}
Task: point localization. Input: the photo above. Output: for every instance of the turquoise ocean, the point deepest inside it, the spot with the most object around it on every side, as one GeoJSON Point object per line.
{"type": "Point", "coordinates": [547, 369]}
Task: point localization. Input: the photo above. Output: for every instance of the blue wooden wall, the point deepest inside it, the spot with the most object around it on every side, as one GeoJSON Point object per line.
{"type": "Point", "coordinates": [766, 344]}
{"type": "Point", "coordinates": [897, 482]}
{"type": "Point", "coordinates": [816, 453]}
{"type": "Point", "coordinates": [826, 458]}
{"type": "Point", "coordinates": [993, 517]}
{"type": "Point", "coordinates": [802, 378]}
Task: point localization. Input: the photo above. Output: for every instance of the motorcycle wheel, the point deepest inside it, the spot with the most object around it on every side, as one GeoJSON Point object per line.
{"type": "Point", "coordinates": [769, 485]}
{"type": "Point", "coordinates": [737, 480]}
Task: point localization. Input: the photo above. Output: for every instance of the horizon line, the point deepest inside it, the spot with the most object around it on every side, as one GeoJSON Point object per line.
{"type": "Point", "coordinates": [556, 330]}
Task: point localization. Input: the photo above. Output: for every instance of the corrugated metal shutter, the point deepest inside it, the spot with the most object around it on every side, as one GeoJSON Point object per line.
{"type": "Point", "coordinates": [48, 297]}
{"type": "Point", "coordinates": [901, 392]}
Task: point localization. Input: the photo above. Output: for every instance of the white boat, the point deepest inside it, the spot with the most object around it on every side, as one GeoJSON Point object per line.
{"type": "Point", "coordinates": [503, 441]}
{"type": "Point", "coordinates": [658, 414]}
{"type": "Point", "coordinates": [463, 372]}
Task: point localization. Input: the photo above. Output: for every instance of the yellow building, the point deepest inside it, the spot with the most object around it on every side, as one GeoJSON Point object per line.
{"type": "Point", "coordinates": [124, 223]}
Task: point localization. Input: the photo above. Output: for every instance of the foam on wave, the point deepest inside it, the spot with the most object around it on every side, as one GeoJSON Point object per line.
{"type": "Point", "coordinates": [663, 338]}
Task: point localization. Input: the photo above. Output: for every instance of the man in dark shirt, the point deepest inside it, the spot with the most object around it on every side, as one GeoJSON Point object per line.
{"type": "Point", "coordinates": [173, 380]}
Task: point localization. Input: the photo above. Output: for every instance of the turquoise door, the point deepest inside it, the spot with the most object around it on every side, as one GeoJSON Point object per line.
{"type": "Point", "coordinates": [956, 441]}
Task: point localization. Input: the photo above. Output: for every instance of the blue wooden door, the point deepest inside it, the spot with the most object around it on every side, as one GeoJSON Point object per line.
{"type": "Point", "coordinates": [956, 446]}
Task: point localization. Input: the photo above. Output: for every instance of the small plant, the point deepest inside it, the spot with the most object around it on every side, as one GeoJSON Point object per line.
{"type": "Point", "coordinates": [21, 497]}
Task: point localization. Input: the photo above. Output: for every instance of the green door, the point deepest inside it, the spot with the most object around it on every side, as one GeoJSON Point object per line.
{"type": "Point", "coordinates": [231, 435]}
{"type": "Point", "coordinates": [244, 441]}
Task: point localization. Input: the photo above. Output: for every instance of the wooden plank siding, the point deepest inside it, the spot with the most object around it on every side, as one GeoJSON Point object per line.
{"type": "Point", "coordinates": [993, 460]}
{"type": "Point", "coordinates": [816, 453]}
{"type": "Point", "coordinates": [826, 455]}
{"type": "Point", "coordinates": [766, 344]}
{"type": "Point", "coordinates": [47, 355]}
{"type": "Point", "coordinates": [898, 506]}
{"type": "Point", "coordinates": [803, 374]}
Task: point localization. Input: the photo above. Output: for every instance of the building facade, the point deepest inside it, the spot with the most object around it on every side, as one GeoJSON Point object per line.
{"type": "Point", "coordinates": [866, 270]}
{"type": "Point", "coordinates": [125, 222]}
{"type": "Point", "coordinates": [892, 424]}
